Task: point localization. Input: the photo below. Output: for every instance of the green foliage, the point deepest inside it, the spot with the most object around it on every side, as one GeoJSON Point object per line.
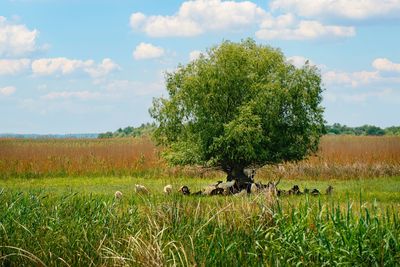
{"type": "Point", "coordinates": [393, 130]}
{"type": "Point", "coordinates": [60, 225]}
{"type": "Point", "coordinates": [337, 128]}
{"type": "Point", "coordinates": [143, 129]}
{"type": "Point", "coordinates": [239, 105]}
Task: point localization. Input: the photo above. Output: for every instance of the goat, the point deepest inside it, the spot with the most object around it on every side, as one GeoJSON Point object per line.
{"type": "Point", "coordinates": [141, 189]}
{"type": "Point", "coordinates": [184, 190]}
{"type": "Point", "coordinates": [225, 185]}
{"type": "Point", "coordinates": [217, 191]}
{"type": "Point", "coordinates": [168, 189]}
{"type": "Point", "coordinates": [295, 190]}
{"type": "Point", "coordinates": [118, 195]}
{"type": "Point", "coordinates": [315, 192]}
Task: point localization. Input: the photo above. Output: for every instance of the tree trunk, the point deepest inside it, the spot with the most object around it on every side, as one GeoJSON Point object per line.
{"type": "Point", "coordinates": [242, 180]}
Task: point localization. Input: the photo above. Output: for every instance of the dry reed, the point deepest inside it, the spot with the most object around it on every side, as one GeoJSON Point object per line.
{"type": "Point", "coordinates": [338, 157]}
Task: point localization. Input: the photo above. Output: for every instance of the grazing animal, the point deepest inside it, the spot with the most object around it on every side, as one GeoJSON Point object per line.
{"type": "Point", "coordinates": [329, 190]}
{"type": "Point", "coordinates": [281, 192]}
{"type": "Point", "coordinates": [225, 185]}
{"type": "Point", "coordinates": [315, 192]}
{"type": "Point", "coordinates": [141, 189]}
{"type": "Point", "coordinates": [253, 173]}
{"type": "Point", "coordinates": [168, 189]}
{"type": "Point", "coordinates": [184, 190]}
{"type": "Point", "coordinates": [295, 190]}
{"type": "Point", "coordinates": [118, 195]}
{"type": "Point", "coordinates": [241, 193]}
{"type": "Point", "coordinates": [254, 188]}
{"type": "Point", "coordinates": [217, 191]}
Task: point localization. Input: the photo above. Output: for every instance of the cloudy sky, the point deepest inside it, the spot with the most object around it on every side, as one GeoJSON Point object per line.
{"type": "Point", "coordinates": [69, 66]}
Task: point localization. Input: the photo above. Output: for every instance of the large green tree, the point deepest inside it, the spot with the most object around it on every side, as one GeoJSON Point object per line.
{"type": "Point", "coordinates": [239, 105]}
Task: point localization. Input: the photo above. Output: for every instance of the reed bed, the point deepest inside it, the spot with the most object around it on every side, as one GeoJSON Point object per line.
{"type": "Point", "coordinates": [71, 229]}
{"type": "Point", "coordinates": [339, 157]}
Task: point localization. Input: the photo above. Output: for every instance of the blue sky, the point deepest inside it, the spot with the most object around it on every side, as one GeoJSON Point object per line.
{"type": "Point", "coordinates": [94, 66]}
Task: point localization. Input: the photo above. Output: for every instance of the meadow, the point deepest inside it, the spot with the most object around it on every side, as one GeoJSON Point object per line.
{"type": "Point", "coordinates": [57, 208]}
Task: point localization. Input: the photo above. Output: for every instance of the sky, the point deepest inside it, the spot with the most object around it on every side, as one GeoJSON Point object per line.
{"type": "Point", "coordinates": [69, 66]}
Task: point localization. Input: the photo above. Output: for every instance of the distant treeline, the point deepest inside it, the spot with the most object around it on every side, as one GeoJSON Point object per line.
{"type": "Point", "coordinates": [144, 129]}
{"type": "Point", "coordinates": [336, 128]}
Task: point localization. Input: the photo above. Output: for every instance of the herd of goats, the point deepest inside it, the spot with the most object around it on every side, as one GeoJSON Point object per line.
{"type": "Point", "coordinates": [233, 188]}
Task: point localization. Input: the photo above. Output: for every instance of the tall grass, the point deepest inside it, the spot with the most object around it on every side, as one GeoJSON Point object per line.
{"type": "Point", "coordinates": [345, 157]}
{"type": "Point", "coordinates": [38, 228]}
{"type": "Point", "coordinates": [338, 157]}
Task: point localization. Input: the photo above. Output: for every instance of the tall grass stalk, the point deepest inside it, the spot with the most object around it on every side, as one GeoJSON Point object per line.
{"type": "Point", "coordinates": [38, 228]}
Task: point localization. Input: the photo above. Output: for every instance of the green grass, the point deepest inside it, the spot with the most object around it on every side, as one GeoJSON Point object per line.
{"type": "Point", "coordinates": [77, 222]}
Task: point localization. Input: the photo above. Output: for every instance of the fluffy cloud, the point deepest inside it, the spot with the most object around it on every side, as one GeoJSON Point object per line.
{"type": "Point", "coordinates": [358, 78]}
{"type": "Point", "coordinates": [102, 69]}
{"type": "Point", "coordinates": [361, 97]}
{"type": "Point", "coordinates": [82, 95]}
{"type": "Point", "coordinates": [196, 17]}
{"type": "Point", "coordinates": [16, 39]}
{"type": "Point", "coordinates": [384, 64]}
{"type": "Point", "coordinates": [287, 27]}
{"type": "Point", "coordinates": [350, 9]}
{"type": "Point", "coordinates": [8, 90]}
{"type": "Point", "coordinates": [48, 66]}
{"type": "Point", "coordinates": [147, 51]}
{"type": "Point", "coordinates": [62, 65]}
{"type": "Point", "coordinates": [13, 66]}
{"type": "Point", "coordinates": [353, 79]}
{"type": "Point", "coordinates": [128, 87]}
{"type": "Point", "coordinates": [299, 61]}
{"type": "Point", "coordinates": [194, 55]}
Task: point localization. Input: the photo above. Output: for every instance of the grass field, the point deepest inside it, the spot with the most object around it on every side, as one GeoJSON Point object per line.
{"type": "Point", "coordinates": [54, 213]}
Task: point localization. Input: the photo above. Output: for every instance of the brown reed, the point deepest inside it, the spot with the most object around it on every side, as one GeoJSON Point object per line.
{"type": "Point", "coordinates": [339, 157]}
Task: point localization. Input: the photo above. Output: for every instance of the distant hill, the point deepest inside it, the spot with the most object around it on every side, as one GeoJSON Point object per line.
{"type": "Point", "coordinates": [144, 129]}
{"type": "Point", "coordinates": [51, 136]}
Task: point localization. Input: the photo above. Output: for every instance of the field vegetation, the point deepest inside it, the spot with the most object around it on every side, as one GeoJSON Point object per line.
{"type": "Point", "coordinates": [339, 157]}
{"type": "Point", "coordinates": [57, 208]}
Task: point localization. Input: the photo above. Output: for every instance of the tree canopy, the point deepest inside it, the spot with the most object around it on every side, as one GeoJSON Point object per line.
{"type": "Point", "coordinates": [239, 105]}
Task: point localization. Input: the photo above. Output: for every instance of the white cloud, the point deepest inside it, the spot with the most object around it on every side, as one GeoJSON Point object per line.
{"type": "Point", "coordinates": [48, 66]}
{"type": "Point", "coordinates": [62, 65]}
{"type": "Point", "coordinates": [196, 17]}
{"type": "Point", "coordinates": [102, 69]}
{"type": "Point", "coordinates": [350, 9]}
{"type": "Point", "coordinates": [13, 66]}
{"type": "Point", "coordinates": [194, 55]}
{"type": "Point", "coordinates": [384, 64]}
{"type": "Point", "coordinates": [82, 95]}
{"type": "Point", "coordinates": [299, 61]}
{"type": "Point", "coordinates": [361, 97]}
{"type": "Point", "coordinates": [16, 39]}
{"type": "Point", "coordinates": [353, 79]}
{"type": "Point", "coordinates": [287, 27]}
{"type": "Point", "coordinates": [8, 90]}
{"type": "Point", "coordinates": [147, 51]}
{"type": "Point", "coordinates": [128, 87]}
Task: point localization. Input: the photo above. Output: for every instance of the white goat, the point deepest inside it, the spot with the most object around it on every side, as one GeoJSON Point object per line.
{"type": "Point", "coordinates": [141, 189]}
{"type": "Point", "coordinates": [168, 189]}
{"type": "Point", "coordinates": [254, 189]}
{"type": "Point", "coordinates": [118, 195]}
{"type": "Point", "coordinates": [226, 185]}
